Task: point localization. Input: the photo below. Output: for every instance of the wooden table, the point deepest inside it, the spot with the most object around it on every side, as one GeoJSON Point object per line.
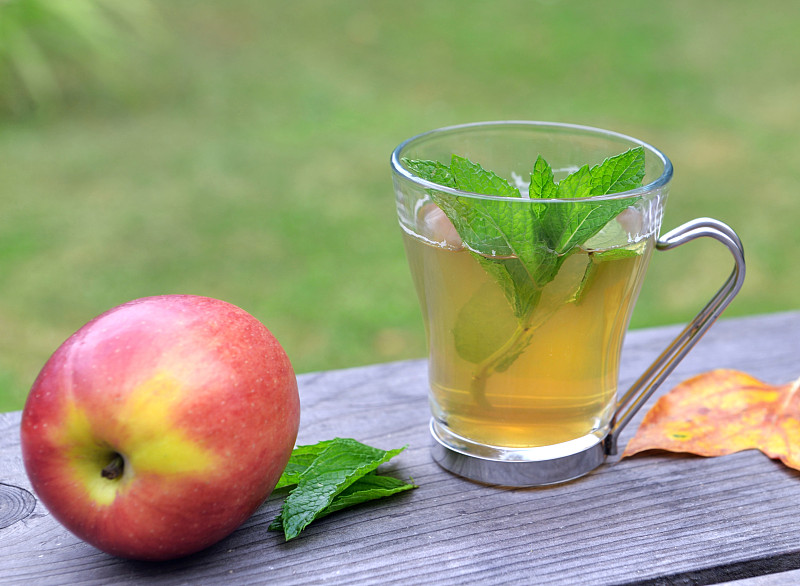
{"type": "Point", "coordinates": [652, 519]}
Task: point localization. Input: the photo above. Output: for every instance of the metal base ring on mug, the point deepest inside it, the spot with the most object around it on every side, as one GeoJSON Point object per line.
{"type": "Point", "coordinates": [519, 468]}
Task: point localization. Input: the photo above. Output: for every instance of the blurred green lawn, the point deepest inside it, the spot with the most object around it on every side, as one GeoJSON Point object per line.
{"type": "Point", "coordinates": [246, 158]}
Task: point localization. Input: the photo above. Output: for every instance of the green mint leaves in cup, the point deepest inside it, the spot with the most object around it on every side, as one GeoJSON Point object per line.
{"type": "Point", "coordinates": [522, 242]}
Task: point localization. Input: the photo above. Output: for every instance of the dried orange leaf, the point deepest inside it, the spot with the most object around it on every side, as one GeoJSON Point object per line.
{"type": "Point", "coordinates": [722, 412]}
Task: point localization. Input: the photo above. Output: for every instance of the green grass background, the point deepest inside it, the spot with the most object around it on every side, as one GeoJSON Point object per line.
{"type": "Point", "coordinates": [242, 153]}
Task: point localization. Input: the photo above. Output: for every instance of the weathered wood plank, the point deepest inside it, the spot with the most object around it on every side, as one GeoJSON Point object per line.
{"type": "Point", "coordinates": [652, 518]}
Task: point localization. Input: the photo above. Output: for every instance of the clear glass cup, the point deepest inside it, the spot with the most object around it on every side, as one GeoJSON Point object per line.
{"type": "Point", "coordinates": [524, 337]}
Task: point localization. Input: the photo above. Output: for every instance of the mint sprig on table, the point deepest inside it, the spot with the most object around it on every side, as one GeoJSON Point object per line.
{"type": "Point", "coordinates": [329, 476]}
{"type": "Point", "coordinates": [523, 246]}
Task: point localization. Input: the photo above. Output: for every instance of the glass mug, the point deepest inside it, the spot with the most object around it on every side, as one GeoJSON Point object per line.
{"type": "Point", "coordinates": [523, 368]}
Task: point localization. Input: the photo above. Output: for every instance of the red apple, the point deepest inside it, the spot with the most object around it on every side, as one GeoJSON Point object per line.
{"type": "Point", "coordinates": [161, 425]}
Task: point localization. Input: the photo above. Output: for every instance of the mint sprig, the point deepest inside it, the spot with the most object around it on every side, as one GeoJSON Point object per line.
{"type": "Point", "coordinates": [568, 225]}
{"type": "Point", "coordinates": [330, 476]}
{"type": "Point", "coordinates": [522, 245]}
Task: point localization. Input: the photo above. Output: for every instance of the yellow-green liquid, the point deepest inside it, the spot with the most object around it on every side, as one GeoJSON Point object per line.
{"type": "Point", "coordinates": [563, 385]}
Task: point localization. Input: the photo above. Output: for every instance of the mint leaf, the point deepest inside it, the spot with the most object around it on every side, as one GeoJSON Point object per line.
{"type": "Point", "coordinates": [472, 177]}
{"type": "Point", "coordinates": [595, 259]}
{"type": "Point", "coordinates": [620, 173]}
{"type": "Point", "coordinates": [337, 465]}
{"type": "Point", "coordinates": [479, 331]}
{"type": "Point", "coordinates": [432, 171]}
{"type": "Point", "coordinates": [577, 184]}
{"type": "Point", "coordinates": [301, 458]}
{"type": "Point", "coordinates": [476, 222]}
{"type": "Point", "coordinates": [367, 488]}
{"type": "Point", "coordinates": [615, 254]}
{"type": "Point", "coordinates": [542, 185]}
{"type": "Point", "coordinates": [504, 236]}
{"type": "Point", "coordinates": [522, 244]}
{"type": "Point", "coordinates": [572, 224]}
{"type": "Point", "coordinates": [514, 278]}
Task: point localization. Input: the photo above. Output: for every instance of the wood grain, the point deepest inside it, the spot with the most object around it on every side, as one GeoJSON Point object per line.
{"type": "Point", "coordinates": [654, 518]}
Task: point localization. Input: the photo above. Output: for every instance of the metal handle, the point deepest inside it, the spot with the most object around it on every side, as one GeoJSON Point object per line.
{"type": "Point", "coordinates": [661, 368]}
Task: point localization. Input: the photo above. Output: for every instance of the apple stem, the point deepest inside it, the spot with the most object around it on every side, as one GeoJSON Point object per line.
{"type": "Point", "coordinates": [114, 468]}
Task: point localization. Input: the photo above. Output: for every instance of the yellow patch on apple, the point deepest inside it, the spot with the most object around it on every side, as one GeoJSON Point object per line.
{"type": "Point", "coordinates": [154, 444]}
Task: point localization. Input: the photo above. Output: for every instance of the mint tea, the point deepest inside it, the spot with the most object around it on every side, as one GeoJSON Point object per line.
{"type": "Point", "coordinates": [563, 382]}
{"type": "Point", "coordinates": [528, 243]}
